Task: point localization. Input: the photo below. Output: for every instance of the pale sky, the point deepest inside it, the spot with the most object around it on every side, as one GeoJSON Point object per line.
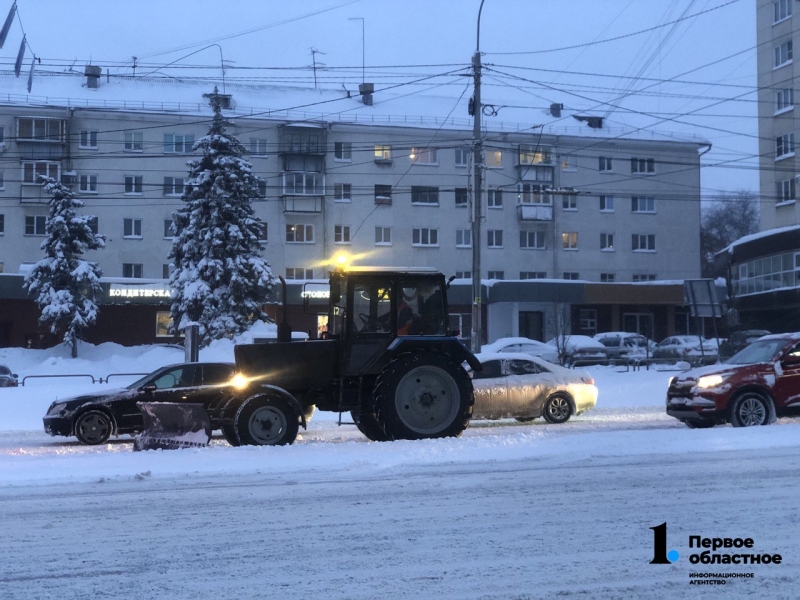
{"type": "Point", "coordinates": [402, 37]}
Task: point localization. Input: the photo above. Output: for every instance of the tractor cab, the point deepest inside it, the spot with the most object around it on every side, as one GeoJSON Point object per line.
{"type": "Point", "coordinates": [371, 308]}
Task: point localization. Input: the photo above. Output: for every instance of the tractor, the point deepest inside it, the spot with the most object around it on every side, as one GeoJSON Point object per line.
{"type": "Point", "coordinates": [387, 358]}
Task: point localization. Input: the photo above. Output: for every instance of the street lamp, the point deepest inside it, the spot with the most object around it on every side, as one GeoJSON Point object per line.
{"type": "Point", "coordinates": [363, 78]}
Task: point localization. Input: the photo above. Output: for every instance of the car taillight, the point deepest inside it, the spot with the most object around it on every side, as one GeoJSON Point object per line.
{"type": "Point", "coordinates": [589, 380]}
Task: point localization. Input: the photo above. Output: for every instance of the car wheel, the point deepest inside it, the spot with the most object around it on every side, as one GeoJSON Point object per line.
{"type": "Point", "coordinates": [266, 421]}
{"type": "Point", "coordinates": [557, 409]}
{"type": "Point", "coordinates": [749, 409]}
{"type": "Point", "coordinates": [93, 427]}
{"type": "Point", "coordinates": [698, 423]}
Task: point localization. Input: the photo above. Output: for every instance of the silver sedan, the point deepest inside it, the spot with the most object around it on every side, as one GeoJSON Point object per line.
{"type": "Point", "coordinates": [515, 385]}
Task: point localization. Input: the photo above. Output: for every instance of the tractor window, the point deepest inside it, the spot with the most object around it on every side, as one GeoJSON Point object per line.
{"type": "Point", "coordinates": [420, 308]}
{"type": "Point", "coordinates": [372, 305]}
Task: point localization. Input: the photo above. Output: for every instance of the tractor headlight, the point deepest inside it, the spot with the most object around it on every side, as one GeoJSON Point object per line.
{"type": "Point", "coordinates": [710, 381]}
{"type": "Point", "coordinates": [239, 381]}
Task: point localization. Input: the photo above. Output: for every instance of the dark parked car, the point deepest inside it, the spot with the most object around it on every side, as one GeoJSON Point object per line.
{"type": "Point", "coordinates": [752, 387]}
{"type": "Point", "coordinates": [93, 418]}
{"type": "Point", "coordinates": [738, 340]}
{"type": "Point", "coordinates": [7, 378]}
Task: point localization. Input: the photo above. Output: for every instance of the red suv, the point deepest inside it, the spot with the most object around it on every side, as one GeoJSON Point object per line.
{"type": "Point", "coordinates": [752, 387]}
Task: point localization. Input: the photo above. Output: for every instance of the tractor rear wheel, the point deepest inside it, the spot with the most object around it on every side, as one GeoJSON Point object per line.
{"type": "Point", "coordinates": [423, 395]}
{"type": "Point", "coordinates": [369, 426]}
{"type": "Point", "coordinates": [266, 421]}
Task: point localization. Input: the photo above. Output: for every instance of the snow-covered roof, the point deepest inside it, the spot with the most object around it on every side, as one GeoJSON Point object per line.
{"type": "Point", "coordinates": [756, 236]}
{"type": "Point", "coordinates": [300, 105]}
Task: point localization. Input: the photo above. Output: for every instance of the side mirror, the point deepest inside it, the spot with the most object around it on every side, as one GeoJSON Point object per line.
{"type": "Point", "coordinates": [148, 389]}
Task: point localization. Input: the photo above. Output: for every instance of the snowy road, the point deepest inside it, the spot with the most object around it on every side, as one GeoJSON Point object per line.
{"type": "Point", "coordinates": [505, 511]}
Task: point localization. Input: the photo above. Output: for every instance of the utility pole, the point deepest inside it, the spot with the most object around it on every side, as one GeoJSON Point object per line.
{"type": "Point", "coordinates": [477, 201]}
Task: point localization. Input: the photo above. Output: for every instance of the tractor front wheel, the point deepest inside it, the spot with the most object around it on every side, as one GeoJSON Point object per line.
{"type": "Point", "coordinates": [423, 395]}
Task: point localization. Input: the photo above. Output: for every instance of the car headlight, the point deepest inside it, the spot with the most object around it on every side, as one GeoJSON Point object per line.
{"type": "Point", "coordinates": [710, 381]}
{"type": "Point", "coordinates": [56, 408]}
{"type": "Point", "coordinates": [671, 379]}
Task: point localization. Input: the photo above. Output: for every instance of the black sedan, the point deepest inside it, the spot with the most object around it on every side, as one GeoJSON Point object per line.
{"type": "Point", "coordinates": [93, 418]}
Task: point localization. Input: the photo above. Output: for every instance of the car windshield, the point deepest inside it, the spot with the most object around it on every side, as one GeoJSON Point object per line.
{"type": "Point", "coordinates": [763, 351]}
{"type": "Point", "coordinates": [142, 381]}
{"type": "Point", "coordinates": [4, 370]}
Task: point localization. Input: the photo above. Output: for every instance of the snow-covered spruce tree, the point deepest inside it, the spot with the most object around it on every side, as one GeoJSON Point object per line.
{"type": "Point", "coordinates": [63, 284]}
{"type": "Point", "coordinates": [220, 280]}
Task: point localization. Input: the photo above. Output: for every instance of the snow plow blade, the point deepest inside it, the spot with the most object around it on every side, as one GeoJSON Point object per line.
{"type": "Point", "coordinates": [169, 426]}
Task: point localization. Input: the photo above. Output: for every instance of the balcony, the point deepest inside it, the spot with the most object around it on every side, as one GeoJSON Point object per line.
{"type": "Point", "coordinates": [534, 212]}
{"type": "Point", "coordinates": [302, 204]}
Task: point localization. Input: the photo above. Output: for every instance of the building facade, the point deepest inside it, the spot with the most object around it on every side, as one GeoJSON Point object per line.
{"type": "Point", "coordinates": [587, 205]}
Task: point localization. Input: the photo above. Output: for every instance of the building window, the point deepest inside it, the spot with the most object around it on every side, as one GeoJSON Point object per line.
{"type": "Point", "coordinates": [497, 274]}
{"type": "Point", "coordinates": [299, 234]}
{"type": "Point", "coordinates": [166, 271]}
{"type": "Point", "coordinates": [569, 163]}
{"type": "Point", "coordinates": [641, 242]}
{"type": "Point", "coordinates": [424, 156]}
{"type": "Point", "coordinates": [2, 135]}
{"type": "Point", "coordinates": [786, 190]}
{"type": "Point", "coordinates": [263, 231]}
{"type": "Point", "coordinates": [2, 182]}
{"type": "Point", "coordinates": [343, 151]}
{"type": "Point", "coordinates": [533, 193]}
{"type": "Point", "coordinates": [570, 275]}
{"type": "Point", "coordinates": [2, 224]}
{"type": "Point", "coordinates": [532, 275]}
{"type": "Point", "coordinates": [425, 237]}
{"type": "Point", "coordinates": [299, 273]}
{"type": "Point", "coordinates": [607, 277]}
{"type": "Point", "coordinates": [644, 277]}
{"type": "Point", "coordinates": [534, 155]}
{"type": "Point", "coordinates": [173, 186]}
{"type": "Point", "coordinates": [41, 130]}
{"type": "Point", "coordinates": [784, 145]}
{"type": "Point", "coordinates": [495, 198]}
{"type": "Point", "coordinates": [169, 230]}
{"type": "Point", "coordinates": [569, 202]}
{"type": "Point", "coordinates": [783, 9]}
{"type": "Point", "coordinates": [133, 141]}
{"type": "Point", "coordinates": [258, 146]}
{"type": "Point", "coordinates": [36, 225]}
{"type": "Point", "coordinates": [607, 242]}
{"type": "Point", "coordinates": [783, 54]}
{"type": "Point", "coordinates": [262, 188]}
{"type": "Point", "coordinates": [643, 165]}
{"type": "Point", "coordinates": [178, 144]}
{"type": "Point", "coordinates": [88, 139]}
{"type": "Point", "coordinates": [494, 238]}
{"type": "Point", "coordinates": [532, 240]}
{"type": "Point", "coordinates": [569, 240]}
{"type": "Point", "coordinates": [87, 184]}
{"type": "Point", "coordinates": [494, 159]}
{"type": "Point", "coordinates": [132, 228]}
{"type": "Point", "coordinates": [342, 191]}
{"type": "Point", "coordinates": [31, 171]}
{"type": "Point", "coordinates": [424, 195]}
{"type": "Point", "coordinates": [303, 184]}
{"type": "Point", "coordinates": [463, 274]}
{"type": "Point", "coordinates": [784, 100]}
{"type": "Point", "coordinates": [133, 184]}
{"type": "Point", "coordinates": [643, 204]}
{"type": "Point", "coordinates": [383, 193]}
{"type": "Point", "coordinates": [463, 238]}
{"type": "Point", "coordinates": [462, 157]}
{"type": "Point", "coordinates": [606, 203]}
{"type": "Point", "coordinates": [383, 236]}
{"type": "Point", "coordinates": [606, 164]}
{"type": "Point", "coordinates": [461, 197]}
{"type": "Point", "coordinates": [132, 270]}
{"type": "Point", "coordinates": [341, 234]}
{"type": "Point", "coordinates": [383, 152]}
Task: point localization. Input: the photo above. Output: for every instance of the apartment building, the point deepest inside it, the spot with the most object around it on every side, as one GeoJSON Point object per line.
{"type": "Point", "coordinates": [576, 203]}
